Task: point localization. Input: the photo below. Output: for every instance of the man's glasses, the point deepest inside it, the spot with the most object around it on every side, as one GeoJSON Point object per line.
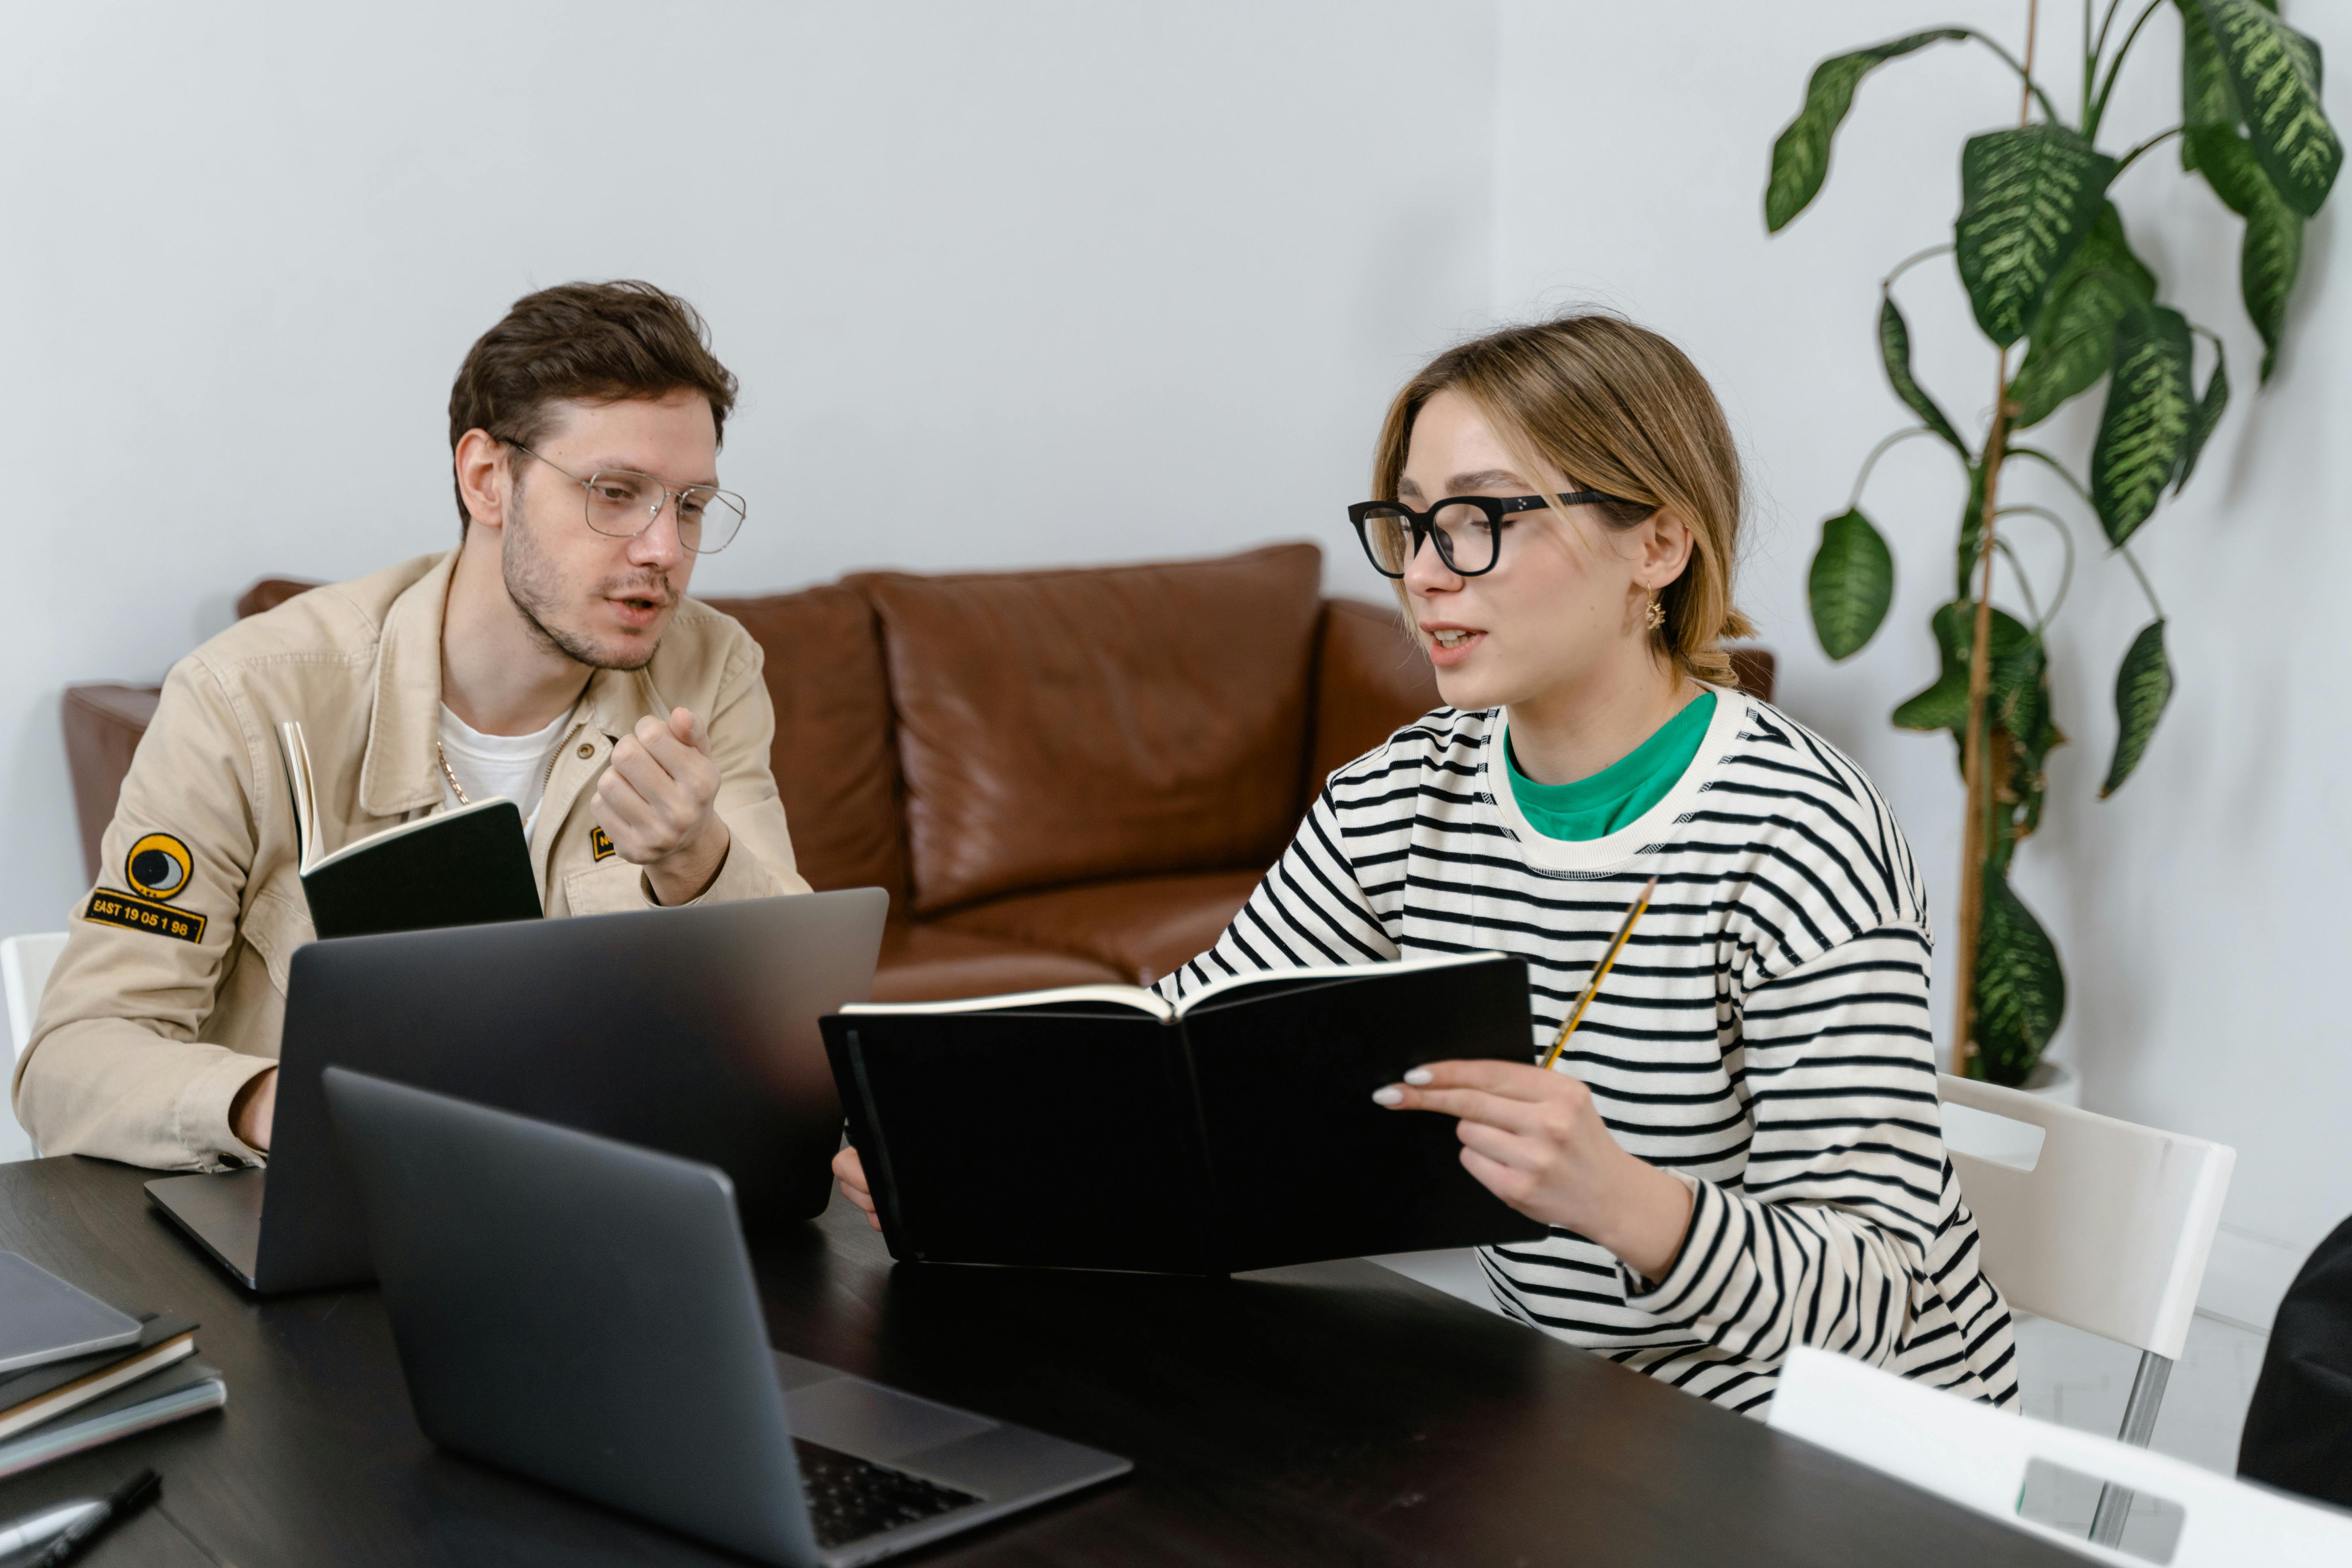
{"type": "Point", "coordinates": [1467, 530]}
{"type": "Point", "coordinates": [624, 505]}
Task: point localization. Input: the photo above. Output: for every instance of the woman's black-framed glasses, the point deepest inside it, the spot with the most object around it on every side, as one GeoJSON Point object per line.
{"type": "Point", "coordinates": [1469, 530]}
{"type": "Point", "coordinates": [623, 504]}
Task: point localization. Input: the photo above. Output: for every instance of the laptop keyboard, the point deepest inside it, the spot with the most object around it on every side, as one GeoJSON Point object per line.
{"type": "Point", "coordinates": [850, 1498]}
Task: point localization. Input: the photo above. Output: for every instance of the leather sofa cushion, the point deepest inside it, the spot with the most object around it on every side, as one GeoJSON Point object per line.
{"type": "Point", "coordinates": [928, 963]}
{"type": "Point", "coordinates": [832, 756]}
{"type": "Point", "coordinates": [1143, 927]}
{"type": "Point", "coordinates": [1069, 726]}
{"type": "Point", "coordinates": [269, 593]}
{"type": "Point", "coordinates": [1752, 671]}
{"type": "Point", "coordinates": [1368, 671]}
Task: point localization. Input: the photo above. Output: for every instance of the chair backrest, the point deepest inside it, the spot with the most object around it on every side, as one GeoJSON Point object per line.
{"type": "Point", "coordinates": [1978, 1457]}
{"type": "Point", "coordinates": [25, 964]}
{"type": "Point", "coordinates": [2101, 1223]}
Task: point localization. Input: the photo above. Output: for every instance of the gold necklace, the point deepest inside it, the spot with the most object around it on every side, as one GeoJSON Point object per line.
{"type": "Point", "coordinates": [459, 788]}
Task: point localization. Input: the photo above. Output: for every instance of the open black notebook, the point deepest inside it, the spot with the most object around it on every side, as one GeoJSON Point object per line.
{"type": "Point", "coordinates": [1100, 1127]}
{"type": "Point", "coordinates": [466, 867]}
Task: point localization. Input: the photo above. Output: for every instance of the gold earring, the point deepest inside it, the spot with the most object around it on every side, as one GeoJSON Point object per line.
{"type": "Point", "coordinates": [1657, 613]}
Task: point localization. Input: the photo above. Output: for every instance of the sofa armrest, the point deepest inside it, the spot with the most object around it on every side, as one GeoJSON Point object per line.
{"type": "Point", "coordinates": [1370, 678]}
{"type": "Point", "coordinates": [104, 723]}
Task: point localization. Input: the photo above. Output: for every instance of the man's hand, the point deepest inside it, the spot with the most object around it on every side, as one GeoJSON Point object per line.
{"type": "Point", "coordinates": [655, 800]}
{"type": "Point", "coordinates": [253, 1111]}
{"type": "Point", "coordinates": [1535, 1140]}
{"type": "Point", "coordinates": [850, 1172]}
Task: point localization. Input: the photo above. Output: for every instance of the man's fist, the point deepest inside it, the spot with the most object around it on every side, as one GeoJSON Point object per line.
{"type": "Point", "coordinates": [655, 800]}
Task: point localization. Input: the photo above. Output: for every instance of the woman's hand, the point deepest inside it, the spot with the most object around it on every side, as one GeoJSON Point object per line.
{"type": "Point", "coordinates": [850, 1172]}
{"type": "Point", "coordinates": [1534, 1138]}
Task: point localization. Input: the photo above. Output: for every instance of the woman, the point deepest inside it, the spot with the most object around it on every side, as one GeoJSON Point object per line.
{"type": "Point", "coordinates": [1740, 1151]}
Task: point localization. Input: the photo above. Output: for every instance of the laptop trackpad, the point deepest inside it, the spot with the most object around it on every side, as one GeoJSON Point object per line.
{"type": "Point", "coordinates": [874, 1422]}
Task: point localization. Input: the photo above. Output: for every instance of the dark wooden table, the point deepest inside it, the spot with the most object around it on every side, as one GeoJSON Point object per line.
{"type": "Point", "coordinates": [1333, 1413]}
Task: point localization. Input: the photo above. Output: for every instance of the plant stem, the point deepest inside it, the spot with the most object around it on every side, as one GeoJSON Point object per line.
{"type": "Point", "coordinates": [2091, 51]}
{"type": "Point", "coordinates": [2024, 71]}
{"type": "Point", "coordinates": [2098, 110]}
{"type": "Point", "coordinates": [2055, 467]}
{"type": "Point", "coordinates": [2065, 571]}
{"type": "Point", "coordinates": [2101, 46]}
{"type": "Point", "coordinates": [1976, 832]}
{"type": "Point", "coordinates": [1878, 452]}
{"type": "Point", "coordinates": [2024, 583]}
{"type": "Point", "coordinates": [2026, 94]}
{"type": "Point", "coordinates": [2145, 586]}
{"type": "Point", "coordinates": [1908, 262]}
{"type": "Point", "coordinates": [2156, 141]}
{"type": "Point", "coordinates": [1975, 769]}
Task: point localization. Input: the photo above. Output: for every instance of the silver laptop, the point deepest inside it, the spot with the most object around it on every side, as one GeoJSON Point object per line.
{"type": "Point", "coordinates": [691, 1030]}
{"type": "Point", "coordinates": [584, 1311]}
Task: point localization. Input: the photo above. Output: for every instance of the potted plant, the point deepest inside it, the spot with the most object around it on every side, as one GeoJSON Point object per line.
{"type": "Point", "coordinates": [2047, 263]}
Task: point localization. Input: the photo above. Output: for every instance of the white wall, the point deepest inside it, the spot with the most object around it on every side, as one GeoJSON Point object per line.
{"type": "Point", "coordinates": [1010, 283]}
{"type": "Point", "coordinates": [2201, 911]}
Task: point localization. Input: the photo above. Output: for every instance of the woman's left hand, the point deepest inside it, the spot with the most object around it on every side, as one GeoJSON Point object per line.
{"type": "Point", "coordinates": [1536, 1140]}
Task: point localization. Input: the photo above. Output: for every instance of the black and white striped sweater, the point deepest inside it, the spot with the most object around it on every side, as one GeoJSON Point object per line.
{"type": "Point", "coordinates": [1765, 1036]}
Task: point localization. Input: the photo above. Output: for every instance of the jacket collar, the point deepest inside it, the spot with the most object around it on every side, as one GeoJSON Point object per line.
{"type": "Point", "coordinates": [400, 773]}
{"type": "Point", "coordinates": [617, 698]}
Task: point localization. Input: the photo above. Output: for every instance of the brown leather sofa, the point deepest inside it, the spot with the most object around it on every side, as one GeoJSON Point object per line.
{"type": "Point", "coordinates": [1060, 777]}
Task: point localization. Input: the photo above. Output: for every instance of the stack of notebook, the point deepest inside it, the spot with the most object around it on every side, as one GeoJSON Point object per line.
{"type": "Point", "coordinates": [139, 1375]}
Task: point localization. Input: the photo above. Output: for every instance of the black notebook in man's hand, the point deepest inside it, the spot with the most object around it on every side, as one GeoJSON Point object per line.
{"type": "Point", "coordinates": [1099, 1127]}
{"type": "Point", "coordinates": [466, 867]}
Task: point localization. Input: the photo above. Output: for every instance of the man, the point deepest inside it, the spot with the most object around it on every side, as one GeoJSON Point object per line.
{"type": "Point", "coordinates": [553, 658]}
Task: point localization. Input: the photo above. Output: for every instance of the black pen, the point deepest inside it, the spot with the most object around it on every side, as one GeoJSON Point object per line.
{"type": "Point", "coordinates": [126, 1500]}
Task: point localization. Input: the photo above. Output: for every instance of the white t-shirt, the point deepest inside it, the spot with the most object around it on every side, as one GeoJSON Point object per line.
{"type": "Point", "coordinates": [515, 766]}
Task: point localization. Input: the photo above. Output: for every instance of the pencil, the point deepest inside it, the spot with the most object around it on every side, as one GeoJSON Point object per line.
{"type": "Point", "coordinates": [1601, 972]}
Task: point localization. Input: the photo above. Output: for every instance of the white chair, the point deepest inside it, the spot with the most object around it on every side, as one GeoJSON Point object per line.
{"type": "Point", "coordinates": [2100, 1224]}
{"type": "Point", "coordinates": [25, 964]}
{"type": "Point", "coordinates": [1980, 1458]}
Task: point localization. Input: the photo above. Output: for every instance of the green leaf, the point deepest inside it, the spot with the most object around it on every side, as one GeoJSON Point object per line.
{"type": "Point", "coordinates": [1801, 156]}
{"type": "Point", "coordinates": [2274, 73]}
{"type": "Point", "coordinates": [2267, 263]}
{"type": "Point", "coordinates": [2017, 694]}
{"type": "Point", "coordinates": [2074, 337]}
{"type": "Point", "coordinates": [1851, 583]}
{"type": "Point", "coordinates": [2270, 256]}
{"type": "Point", "coordinates": [1945, 704]}
{"type": "Point", "coordinates": [2021, 992]}
{"type": "Point", "coordinates": [2018, 716]}
{"type": "Point", "coordinates": [1971, 532]}
{"type": "Point", "coordinates": [2209, 415]}
{"type": "Point", "coordinates": [2145, 427]}
{"type": "Point", "coordinates": [2227, 161]}
{"type": "Point", "coordinates": [1895, 350]}
{"type": "Point", "coordinates": [2027, 198]}
{"type": "Point", "coordinates": [2143, 685]}
{"type": "Point", "coordinates": [2032, 733]}
{"type": "Point", "coordinates": [2204, 85]}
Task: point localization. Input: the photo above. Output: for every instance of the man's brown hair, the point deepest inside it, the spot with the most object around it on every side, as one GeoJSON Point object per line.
{"type": "Point", "coordinates": [1618, 409]}
{"type": "Point", "coordinates": [586, 342]}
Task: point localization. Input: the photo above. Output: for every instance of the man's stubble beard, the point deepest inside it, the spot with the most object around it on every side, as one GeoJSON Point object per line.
{"type": "Point", "coordinates": [536, 586]}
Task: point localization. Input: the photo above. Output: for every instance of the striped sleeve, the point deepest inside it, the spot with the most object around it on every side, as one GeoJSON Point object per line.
{"type": "Point", "coordinates": [1823, 1240]}
{"type": "Point", "coordinates": [1308, 909]}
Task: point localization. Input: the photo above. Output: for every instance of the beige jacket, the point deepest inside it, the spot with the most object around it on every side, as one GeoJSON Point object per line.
{"type": "Point", "coordinates": [171, 993]}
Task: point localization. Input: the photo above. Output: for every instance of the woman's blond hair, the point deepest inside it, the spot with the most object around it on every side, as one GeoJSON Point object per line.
{"type": "Point", "coordinates": [1616, 408]}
